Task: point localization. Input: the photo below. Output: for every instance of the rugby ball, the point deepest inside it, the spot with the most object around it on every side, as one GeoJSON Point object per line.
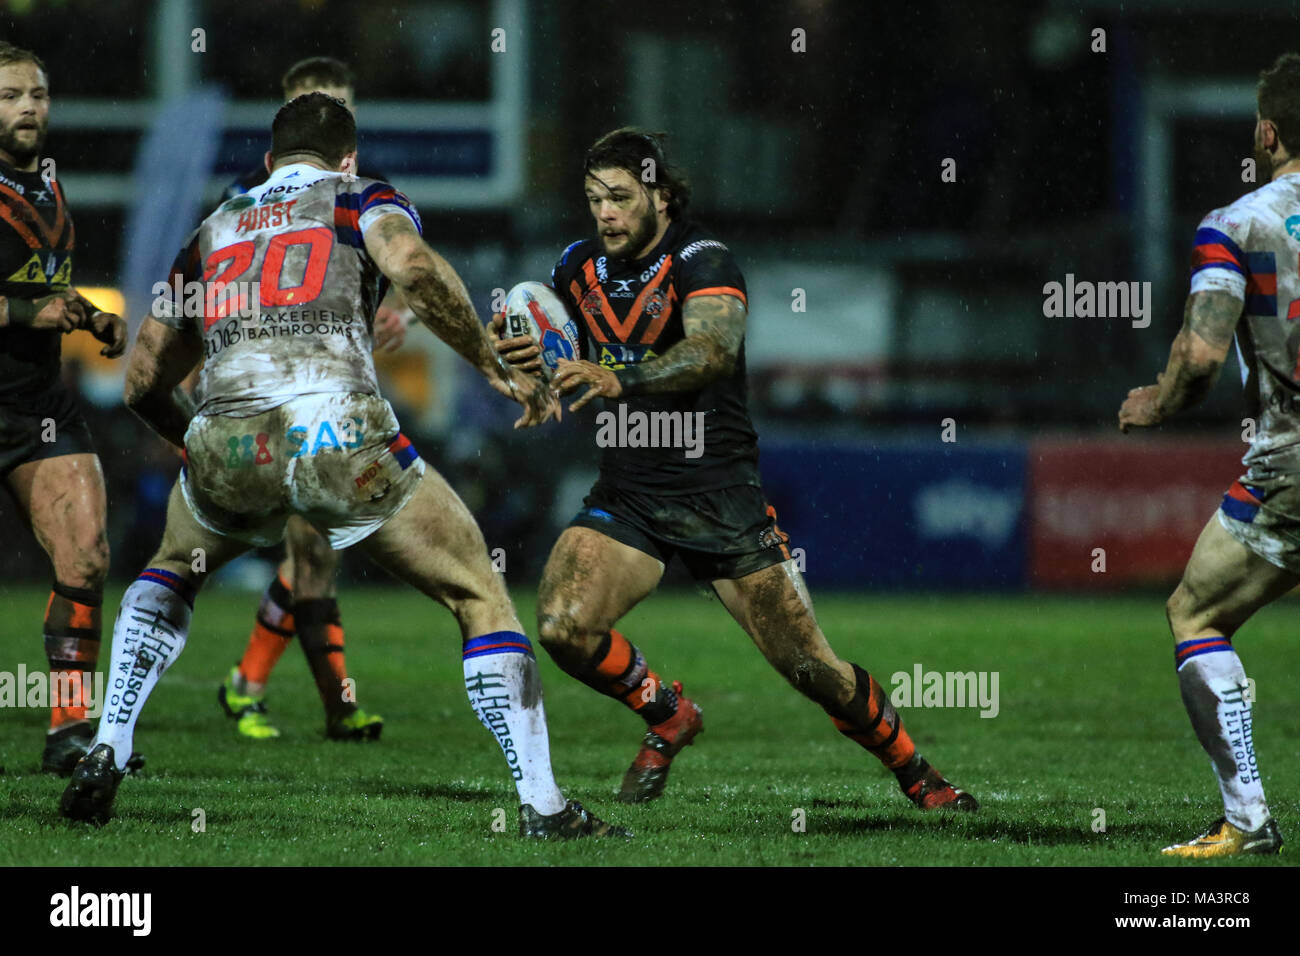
{"type": "Point", "coordinates": [534, 309]}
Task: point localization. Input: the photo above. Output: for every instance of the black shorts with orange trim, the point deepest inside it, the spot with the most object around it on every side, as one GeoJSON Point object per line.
{"type": "Point", "coordinates": [722, 534]}
{"type": "Point", "coordinates": [47, 424]}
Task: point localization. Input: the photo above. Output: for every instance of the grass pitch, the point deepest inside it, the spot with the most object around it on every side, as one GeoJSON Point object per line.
{"type": "Point", "coordinates": [1089, 720]}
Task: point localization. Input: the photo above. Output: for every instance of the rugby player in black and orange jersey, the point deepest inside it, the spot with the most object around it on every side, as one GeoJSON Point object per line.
{"type": "Point", "coordinates": [662, 310]}
{"type": "Point", "coordinates": [47, 459]}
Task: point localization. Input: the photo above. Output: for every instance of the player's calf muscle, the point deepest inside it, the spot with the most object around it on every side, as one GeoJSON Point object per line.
{"type": "Point", "coordinates": [81, 559]}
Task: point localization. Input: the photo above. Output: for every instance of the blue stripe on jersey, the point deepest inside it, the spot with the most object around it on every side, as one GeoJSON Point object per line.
{"type": "Point", "coordinates": [349, 236]}
{"type": "Point", "coordinates": [1261, 263]}
{"type": "Point", "coordinates": [1261, 283]}
{"type": "Point", "coordinates": [1241, 510]}
{"type": "Point", "coordinates": [1261, 305]}
{"type": "Point", "coordinates": [1205, 236]}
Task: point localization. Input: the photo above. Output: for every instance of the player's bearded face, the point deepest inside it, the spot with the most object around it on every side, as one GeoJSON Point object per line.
{"type": "Point", "coordinates": [625, 215]}
{"type": "Point", "coordinates": [24, 111]}
{"type": "Point", "coordinates": [638, 235]}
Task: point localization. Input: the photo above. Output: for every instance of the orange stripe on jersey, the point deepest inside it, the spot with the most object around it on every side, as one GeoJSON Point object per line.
{"type": "Point", "coordinates": [593, 326]}
{"type": "Point", "coordinates": [20, 204]}
{"type": "Point", "coordinates": [20, 227]}
{"type": "Point", "coordinates": [719, 290]}
{"type": "Point", "coordinates": [594, 287]}
{"type": "Point", "coordinates": [634, 314]}
{"type": "Point", "coordinates": [661, 319]}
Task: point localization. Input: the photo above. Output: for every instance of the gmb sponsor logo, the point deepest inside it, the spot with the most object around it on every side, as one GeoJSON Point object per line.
{"type": "Point", "coordinates": [77, 909]}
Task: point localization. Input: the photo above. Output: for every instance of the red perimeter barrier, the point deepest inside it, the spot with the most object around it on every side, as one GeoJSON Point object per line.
{"type": "Point", "coordinates": [1143, 501]}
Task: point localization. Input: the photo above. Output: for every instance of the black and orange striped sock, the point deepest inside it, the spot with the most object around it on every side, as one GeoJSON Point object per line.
{"type": "Point", "coordinates": [618, 669]}
{"type": "Point", "coordinates": [72, 631]}
{"type": "Point", "coordinates": [320, 632]}
{"type": "Point", "coordinates": [870, 720]}
{"type": "Point", "coordinates": [272, 632]}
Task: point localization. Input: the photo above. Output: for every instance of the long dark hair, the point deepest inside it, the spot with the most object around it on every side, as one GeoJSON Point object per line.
{"type": "Point", "coordinates": [628, 148]}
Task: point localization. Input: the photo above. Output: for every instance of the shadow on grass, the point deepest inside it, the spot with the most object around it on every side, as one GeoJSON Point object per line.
{"type": "Point", "coordinates": [992, 829]}
{"type": "Point", "coordinates": [426, 791]}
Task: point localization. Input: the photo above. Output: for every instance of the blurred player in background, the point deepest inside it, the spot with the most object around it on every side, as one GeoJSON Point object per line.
{"type": "Point", "coordinates": [47, 458]}
{"type": "Point", "coordinates": [663, 307]}
{"type": "Point", "coordinates": [1244, 264]}
{"type": "Point", "coordinates": [289, 421]}
{"type": "Point", "coordinates": [301, 598]}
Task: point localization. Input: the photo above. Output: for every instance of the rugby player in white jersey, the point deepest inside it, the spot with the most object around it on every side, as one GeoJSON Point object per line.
{"type": "Point", "coordinates": [287, 419]}
{"type": "Point", "coordinates": [1245, 280]}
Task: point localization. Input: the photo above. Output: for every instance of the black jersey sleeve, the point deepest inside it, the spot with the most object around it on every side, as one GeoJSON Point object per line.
{"type": "Point", "coordinates": [707, 267]}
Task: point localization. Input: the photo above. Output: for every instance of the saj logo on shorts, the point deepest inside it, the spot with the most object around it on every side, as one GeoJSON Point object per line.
{"type": "Point", "coordinates": [344, 434]}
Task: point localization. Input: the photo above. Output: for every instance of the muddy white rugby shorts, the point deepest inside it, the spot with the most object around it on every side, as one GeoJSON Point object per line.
{"type": "Point", "coordinates": [337, 459]}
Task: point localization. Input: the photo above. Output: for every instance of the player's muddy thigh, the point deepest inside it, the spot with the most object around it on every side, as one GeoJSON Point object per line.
{"type": "Point", "coordinates": [1223, 584]}
{"type": "Point", "coordinates": [776, 611]}
{"type": "Point", "coordinates": [434, 544]}
{"type": "Point", "coordinates": [589, 583]}
{"type": "Point", "coordinates": [188, 548]}
{"type": "Point", "coordinates": [65, 503]}
{"type": "Point", "coordinates": [310, 564]}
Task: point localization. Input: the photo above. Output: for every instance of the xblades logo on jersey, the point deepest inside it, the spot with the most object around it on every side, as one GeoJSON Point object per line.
{"type": "Point", "coordinates": [624, 290]}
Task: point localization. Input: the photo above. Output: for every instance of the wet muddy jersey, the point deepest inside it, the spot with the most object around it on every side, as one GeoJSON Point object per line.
{"type": "Point", "coordinates": [1251, 250]}
{"type": "Point", "coordinates": [631, 311]}
{"type": "Point", "coordinates": [288, 291]}
{"type": "Point", "coordinates": [36, 244]}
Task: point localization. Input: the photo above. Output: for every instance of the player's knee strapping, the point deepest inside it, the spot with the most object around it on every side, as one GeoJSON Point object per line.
{"type": "Point", "coordinates": [870, 720]}
{"type": "Point", "coordinates": [619, 670]}
{"type": "Point", "coordinates": [320, 631]}
{"type": "Point", "coordinates": [72, 635]}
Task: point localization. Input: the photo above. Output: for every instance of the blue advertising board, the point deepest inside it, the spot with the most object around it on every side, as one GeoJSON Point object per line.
{"type": "Point", "coordinates": [896, 514]}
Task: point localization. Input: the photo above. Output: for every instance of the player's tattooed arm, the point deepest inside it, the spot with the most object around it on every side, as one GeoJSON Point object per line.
{"type": "Point", "coordinates": [431, 288]}
{"type": "Point", "coordinates": [1198, 352]}
{"type": "Point", "coordinates": [159, 361]}
{"type": "Point", "coordinates": [715, 328]}
{"type": "Point", "coordinates": [435, 293]}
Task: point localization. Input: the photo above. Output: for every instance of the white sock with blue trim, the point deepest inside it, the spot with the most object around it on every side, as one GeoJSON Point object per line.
{"type": "Point", "coordinates": [1218, 700]}
{"type": "Point", "coordinates": [148, 635]}
{"type": "Point", "coordinates": [505, 690]}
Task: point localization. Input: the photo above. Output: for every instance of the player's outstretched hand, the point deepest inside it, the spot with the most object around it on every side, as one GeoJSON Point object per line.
{"type": "Point", "coordinates": [390, 328]}
{"type": "Point", "coordinates": [529, 391]}
{"type": "Point", "coordinates": [109, 329]}
{"type": "Point", "coordinates": [522, 351]}
{"type": "Point", "coordinates": [1140, 408]}
{"type": "Point", "coordinates": [570, 376]}
{"type": "Point", "coordinates": [61, 311]}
